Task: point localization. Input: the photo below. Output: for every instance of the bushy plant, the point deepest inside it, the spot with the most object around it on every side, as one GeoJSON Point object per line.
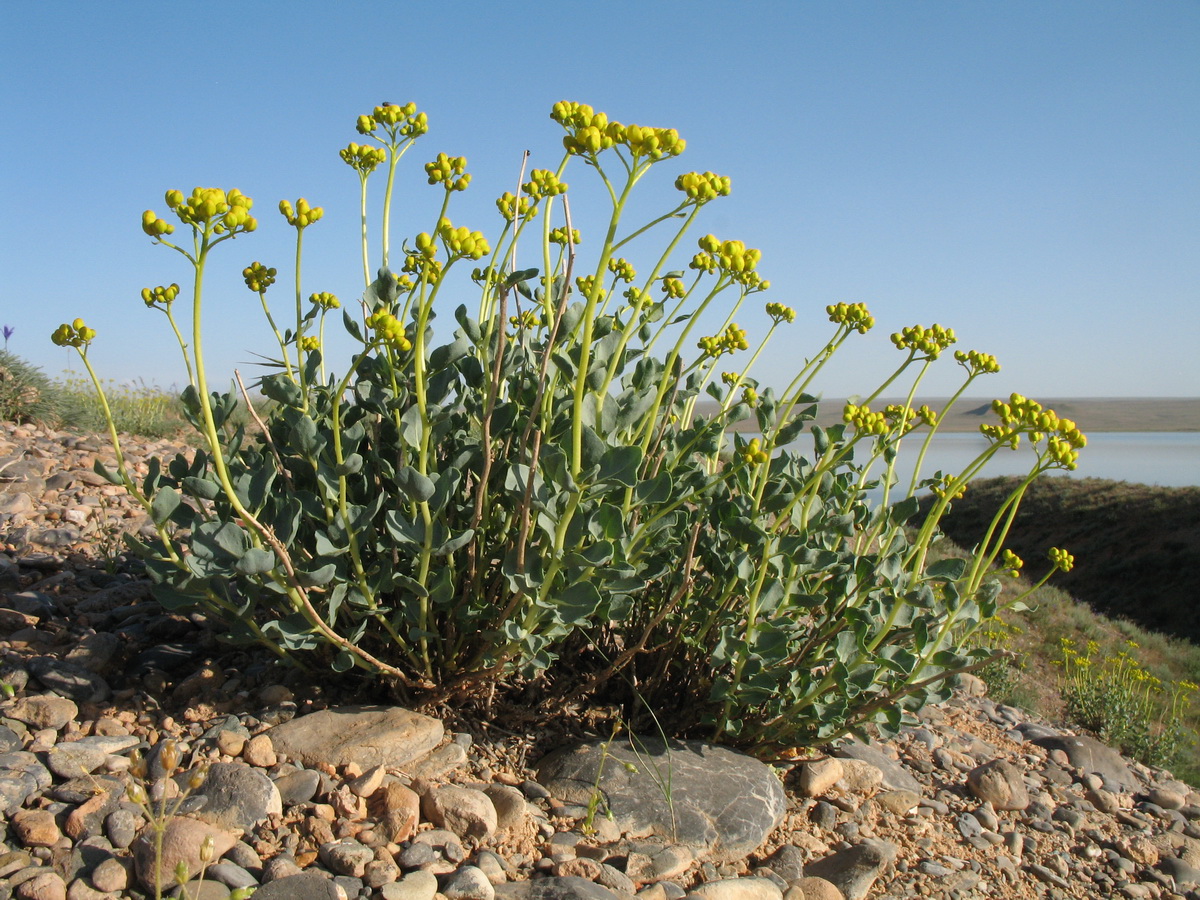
{"type": "Point", "coordinates": [1116, 698]}
{"type": "Point", "coordinates": [554, 490]}
{"type": "Point", "coordinates": [26, 394]}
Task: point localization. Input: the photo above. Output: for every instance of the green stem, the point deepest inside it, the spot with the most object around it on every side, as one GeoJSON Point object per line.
{"type": "Point", "coordinates": [362, 178]}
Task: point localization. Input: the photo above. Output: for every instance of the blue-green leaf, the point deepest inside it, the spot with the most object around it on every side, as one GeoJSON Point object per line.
{"type": "Point", "coordinates": [950, 569]}
{"type": "Point", "coordinates": [415, 486]}
{"type": "Point", "coordinates": [166, 501]}
{"type": "Point", "coordinates": [256, 561]}
{"type": "Point", "coordinates": [621, 465]}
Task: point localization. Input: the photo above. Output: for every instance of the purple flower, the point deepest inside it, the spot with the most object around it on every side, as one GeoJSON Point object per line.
{"type": "Point", "coordinates": [8, 332]}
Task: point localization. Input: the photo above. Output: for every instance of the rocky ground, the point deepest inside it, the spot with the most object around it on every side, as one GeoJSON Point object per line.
{"type": "Point", "coordinates": [289, 789]}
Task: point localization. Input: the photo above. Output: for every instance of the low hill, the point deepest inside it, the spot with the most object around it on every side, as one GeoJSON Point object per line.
{"type": "Point", "coordinates": [1136, 547]}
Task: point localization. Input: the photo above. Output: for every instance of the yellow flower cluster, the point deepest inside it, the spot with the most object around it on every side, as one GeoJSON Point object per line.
{"type": "Point", "coordinates": [421, 262]}
{"type": "Point", "coordinates": [590, 133]}
{"type": "Point", "coordinates": [1023, 415]}
{"type": "Point", "coordinates": [227, 211]}
{"type": "Point", "coordinates": [865, 421]}
{"type": "Point", "coordinates": [258, 277]}
{"type": "Point", "coordinates": [362, 158]}
{"type": "Point", "coordinates": [309, 343]}
{"type": "Point", "coordinates": [73, 334]}
{"type": "Point", "coordinates": [450, 171]}
{"type": "Point", "coordinates": [975, 362]}
{"type": "Point", "coordinates": [854, 316]}
{"type": "Point", "coordinates": [750, 396]}
{"type": "Point", "coordinates": [731, 378]}
{"type": "Point", "coordinates": [753, 454]}
{"type": "Point", "coordinates": [942, 489]}
{"type": "Point", "coordinates": [205, 207]}
{"type": "Point", "coordinates": [673, 288]}
{"type": "Point", "coordinates": [635, 296]}
{"type": "Point", "coordinates": [398, 121]}
{"type": "Point", "coordinates": [729, 340]}
{"type": "Point", "coordinates": [527, 319]}
{"type": "Point", "coordinates": [781, 313]}
{"type": "Point", "coordinates": [484, 274]}
{"type": "Point", "coordinates": [543, 183]}
{"type": "Point", "coordinates": [325, 300]}
{"type": "Point", "coordinates": [927, 415]}
{"type": "Point", "coordinates": [1011, 564]}
{"type": "Point", "coordinates": [703, 186]}
{"type": "Point", "coordinates": [388, 329]}
{"type": "Point", "coordinates": [462, 241]}
{"type": "Point", "coordinates": [559, 236]}
{"type": "Point", "coordinates": [164, 295]}
{"type": "Point", "coordinates": [733, 258]}
{"type": "Point", "coordinates": [510, 207]}
{"type": "Point", "coordinates": [622, 268]}
{"type": "Point", "coordinates": [930, 341]}
{"type": "Point", "coordinates": [585, 284]}
{"type": "Point", "coordinates": [1061, 559]}
{"type": "Point", "coordinates": [303, 215]}
{"type": "Point", "coordinates": [154, 226]}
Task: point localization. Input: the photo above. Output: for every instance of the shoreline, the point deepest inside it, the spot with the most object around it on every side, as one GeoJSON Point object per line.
{"type": "Point", "coordinates": [1092, 414]}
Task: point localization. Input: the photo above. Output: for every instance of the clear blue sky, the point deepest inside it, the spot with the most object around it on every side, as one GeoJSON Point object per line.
{"type": "Point", "coordinates": [1025, 172]}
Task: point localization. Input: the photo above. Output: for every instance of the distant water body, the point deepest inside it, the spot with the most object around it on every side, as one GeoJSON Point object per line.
{"type": "Point", "coordinates": [1168, 459]}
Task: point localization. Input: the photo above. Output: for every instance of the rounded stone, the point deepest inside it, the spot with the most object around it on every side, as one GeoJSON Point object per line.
{"type": "Point", "coordinates": [346, 857]}
{"type": "Point", "coordinates": [46, 886]}
{"type": "Point", "coordinates": [302, 886]}
{"type": "Point", "coordinates": [419, 885]}
{"type": "Point", "coordinates": [738, 889]}
{"type": "Point", "coordinates": [721, 803]}
{"type": "Point", "coordinates": [367, 735]}
{"type": "Point", "coordinates": [999, 782]}
{"type": "Point", "coordinates": [512, 809]}
{"type": "Point", "coordinates": [464, 811]}
{"type": "Point", "coordinates": [814, 888]}
{"type": "Point", "coordinates": [44, 711]}
{"type": "Point", "coordinates": [860, 777]}
{"type": "Point", "coordinates": [237, 796]}
{"type": "Point", "coordinates": [468, 883]}
{"type": "Point", "coordinates": [111, 875]}
{"type": "Point", "coordinates": [36, 828]}
{"type": "Point", "coordinates": [819, 775]}
{"type": "Point", "coordinates": [298, 787]}
{"type": "Point", "coordinates": [181, 843]}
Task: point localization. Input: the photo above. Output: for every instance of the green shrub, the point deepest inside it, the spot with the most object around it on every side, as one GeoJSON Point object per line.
{"type": "Point", "coordinates": [1116, 698]}
{"type": "Point", "coordinates": [26, 394]}
{"type": "Point", "coordinates": [545, 493]}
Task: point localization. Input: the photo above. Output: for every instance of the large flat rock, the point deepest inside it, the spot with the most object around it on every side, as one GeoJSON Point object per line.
{"type": "Point", "coordinates": [367, 735]}
{"type": "Point", "coordinates": [721, 803]}
{"type": "Point", "coordinates": [1087, 753]}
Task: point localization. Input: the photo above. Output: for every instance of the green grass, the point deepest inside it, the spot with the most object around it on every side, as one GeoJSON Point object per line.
{"type": "Point", "coordinates": [137, 408]}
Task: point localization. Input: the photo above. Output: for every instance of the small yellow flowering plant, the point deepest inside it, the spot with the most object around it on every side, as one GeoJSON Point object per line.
{"type": "Point", "coordinates": [1119, 700]}
{"type": "Point", "coordinates": [555, 483]}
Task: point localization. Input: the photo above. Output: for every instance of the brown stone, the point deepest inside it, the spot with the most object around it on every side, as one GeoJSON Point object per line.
{"type": "Point", "coordinates": [1000, 783]}
{"type": "Point", "coordinates": [818, 776]}
{"type": "Point", "coordinates": [260, 752]}
{"type": "Point", "coordinates": [36, 828]}
{"type": "Point", "coordinates": [398, 809]}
